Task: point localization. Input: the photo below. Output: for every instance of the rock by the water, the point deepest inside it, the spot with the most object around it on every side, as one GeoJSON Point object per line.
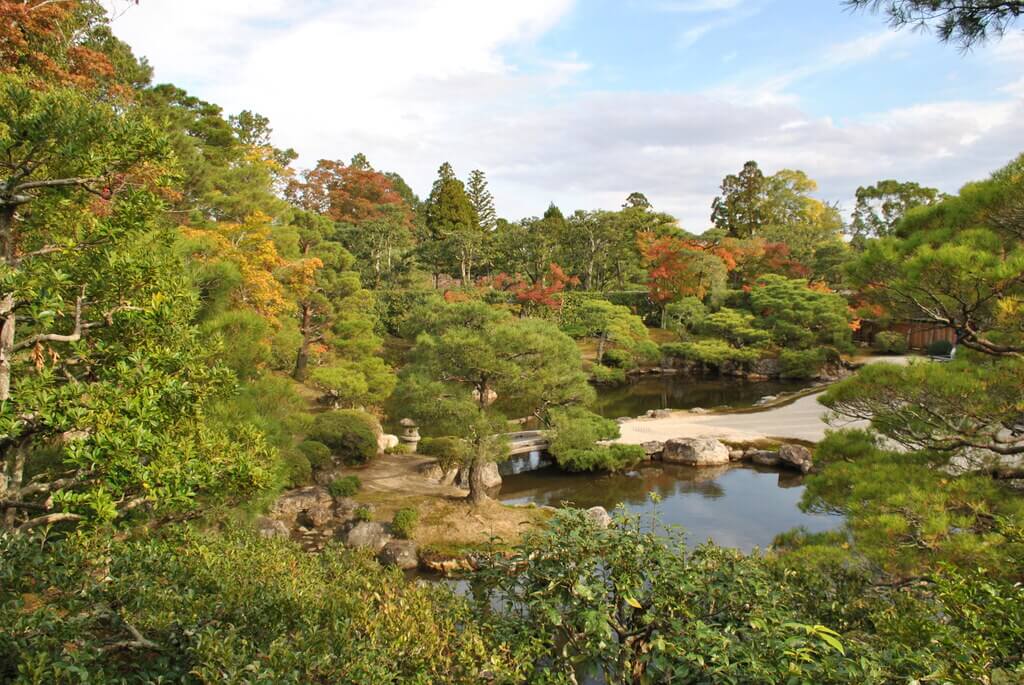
{"type": "Point", "coordinates": [659, 413]}
{"type": "Point", "coordinates": [401, 553]}
{"type": "Point", "coordinates": [696, 452]}
{"type": "Point", "coordinates": [735, 455]}
{"type": "Point", "coordinates": [797, 457]}
{"type": "Point", "coordinates": [271, 528]}
{"type": "Point", "coordinates": [623, 419]}
{"type": "Point", "coordinates": [763, 458]}
{"type": "Point", "coordinates": [366, 535]}
{"type": "Point", "coordinates": [491, 476]}
{"type": "Point", "coordinates": [698, 410]}
{"type": "Point", "coordinates": [653, 449]}
{"type": "Point", "coordinates": [600, 516]}
{"type": "Point", "coordinates": [311, 506]}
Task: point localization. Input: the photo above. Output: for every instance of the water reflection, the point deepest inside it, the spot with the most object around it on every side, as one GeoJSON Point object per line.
{"type": "Point", "coordinates": [685, 392]}
{"type": "Point", "coordinates": [742, 507]}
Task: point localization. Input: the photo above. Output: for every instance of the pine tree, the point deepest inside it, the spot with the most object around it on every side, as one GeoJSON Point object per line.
{"type": "Point", "coordinates": [455, 239]}
{"type": "Point", "coordinates": [482, 200]}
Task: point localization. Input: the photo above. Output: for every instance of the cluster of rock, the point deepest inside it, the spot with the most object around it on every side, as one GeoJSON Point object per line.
{"type": "Point", "coordinates": [712, 452]}
{"type": "Point", "coordinates": [767, 368]}
{"type": "Point", "coordinates": [313, 517]}
{"type": "Point", "coordinates": [459, 476]}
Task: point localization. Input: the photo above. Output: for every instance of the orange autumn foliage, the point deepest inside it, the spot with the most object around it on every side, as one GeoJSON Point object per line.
{"type": "Point", "coordinates": [250, 247]}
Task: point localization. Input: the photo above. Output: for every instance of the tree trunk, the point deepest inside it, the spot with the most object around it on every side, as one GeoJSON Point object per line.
{"type": "Point", "coordinates": [15, 476]}
{"type": "Point", "coordinates": [6, 345]}
{"type": "Point", "coordinates": [477, 492]}
{"type": "Point", "coordinates": [600, 348]}
{"type": "Point", "coordinates": [302, 358]}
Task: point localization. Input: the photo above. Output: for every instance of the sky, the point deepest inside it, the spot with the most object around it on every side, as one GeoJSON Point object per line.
{"type": "Point", "coordinates": [580, 102]}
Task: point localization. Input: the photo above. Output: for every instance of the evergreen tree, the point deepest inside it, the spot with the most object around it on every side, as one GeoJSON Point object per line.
{"type": "Point", "coordinates": [452, 227]}
{"type": "Point", "coordinates": [482, 200]}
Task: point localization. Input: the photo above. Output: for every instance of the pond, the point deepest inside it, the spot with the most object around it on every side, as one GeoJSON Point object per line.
{"type": "Point", "coordinates": [735, 506]}
{"type": "Point", "coordinates": [681, 391]}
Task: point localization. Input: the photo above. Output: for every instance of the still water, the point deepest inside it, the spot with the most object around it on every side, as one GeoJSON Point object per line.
{"type": "Point", "coordinates": [685, 392]}
{"type": "Point", "coordinates": [735, 506]}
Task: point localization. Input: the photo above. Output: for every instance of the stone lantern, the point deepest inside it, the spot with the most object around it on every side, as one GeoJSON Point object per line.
{"type": "Point", "coordinates": [410, 435]}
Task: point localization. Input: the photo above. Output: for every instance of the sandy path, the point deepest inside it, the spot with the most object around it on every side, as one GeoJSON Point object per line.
{"type": "Point", "coordinates": [803, 419]}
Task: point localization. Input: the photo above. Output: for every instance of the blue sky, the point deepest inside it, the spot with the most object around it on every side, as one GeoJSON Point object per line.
{"type": "Point", "coordinates": [582, 101]}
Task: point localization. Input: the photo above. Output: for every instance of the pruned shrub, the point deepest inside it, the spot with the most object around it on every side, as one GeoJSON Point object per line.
{"type": "Point", "coordinates": [297, 470]}
{"type": "Point", "coordinates": [447, 450]}
{"type": "Point", "coordinates": [940, 348]}
{"type": "Point", "coordinates": [364, 513]}
{"type": "Point", "coordinates": [618, 358]}
{"type": "Point", "coordinates": [890, 342]}
{"type": "Point", "coordinates": [350, 434]}
{"type": "Point", "coordinates": [801, 364]}
{"type": "Point", "coordinates": [404, 522]}
{"type": "Point", "coordinates": [318, 454]}
{"type": "Point", "coordinates": [601, 458]}
{"type": "Point", "coordinates": [346, 486]}
{"type": "Point", "coordinates": [607, 375]}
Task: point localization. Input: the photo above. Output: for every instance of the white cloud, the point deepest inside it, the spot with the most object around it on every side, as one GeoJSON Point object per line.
{"type": "Point", "coordinates": [414, 83]}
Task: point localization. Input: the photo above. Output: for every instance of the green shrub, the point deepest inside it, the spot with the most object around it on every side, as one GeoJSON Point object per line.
{"type": "Point", "coordinates": [346, 486]}
{"type": "Point", "coordinates": [297, 469]}
{"type": "Point", "coordinates": [712, 352]}
{"type": "Point", "coordinates": [607, 375]}
{"type": "Point", "coordinates": [890, 342]}
{"type": "Point", "coordinates": [574, 444]}
{"type": "Point", "coordinates": [364, 513]}
{"type": "Point", "coordinates": [601, 458]}
{"type": "Point", "coordinates": [801, 364]}
{"type": "Point", "coordinates": [404, 522]}
{"type": "Point", "coordinates": [940, 348]}
{"type": "Point", "coordinates": [618, 358]}
{"type": "Point", "coordinates": [319, 454]}
{"type": "Point", "coordinates": [350, 434]}
{"type": "Point", "coordinates": [448, 451]}
{"type": "Point", "coordinates": [226, 609]}
{"type": "Point", "coordinates": [400, 448]}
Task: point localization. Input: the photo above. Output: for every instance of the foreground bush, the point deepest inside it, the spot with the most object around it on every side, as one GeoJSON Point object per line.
{"type": "Point", "coordinates": [631, 601]}
{"type": "Point", "coordinates": [203, 608]}
{"type": "Point", "coordinates": [349, 434]}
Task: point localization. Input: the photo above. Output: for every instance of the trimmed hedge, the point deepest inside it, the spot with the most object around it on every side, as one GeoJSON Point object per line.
{"type": "Point", "coordinates": [350, 434]}
{"type": "Point", "coordinates": [318, 454]}
{"type": "Point", "coordinates": [346, 486]}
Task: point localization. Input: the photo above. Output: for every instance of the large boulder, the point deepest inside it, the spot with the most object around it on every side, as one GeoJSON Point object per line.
{"type": "Point", "coordinates": [366, 535]}
{"type": "Point", "coordinates": [763, 457]}
{"type": "Point", "coordinates": [401, 553]}
{"type": "Point", "coordinates": [433, 471]}
{"type": "Point", "coordinates": [796, 457]}
{"type": "Point", "coordinates": [491, 476]}
{"type": "Point", "coordinates": [653, 449]}
{"type": "Point", "coordinates": [769, 367]}
{"type": "Point", "coordinates": [600, 516]}
{"type": "Point", "coordinates": [386, 441]}
{"type": "Point", "coordinates": [311, 506]}
{"type": "Point", "coordinates": [271, 528]}
{"type": "Point", "coordinates": [695, 452]}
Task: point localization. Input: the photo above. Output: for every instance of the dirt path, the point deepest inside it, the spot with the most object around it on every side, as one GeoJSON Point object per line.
{"type": "Point", "coordinates": [803, 419]}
